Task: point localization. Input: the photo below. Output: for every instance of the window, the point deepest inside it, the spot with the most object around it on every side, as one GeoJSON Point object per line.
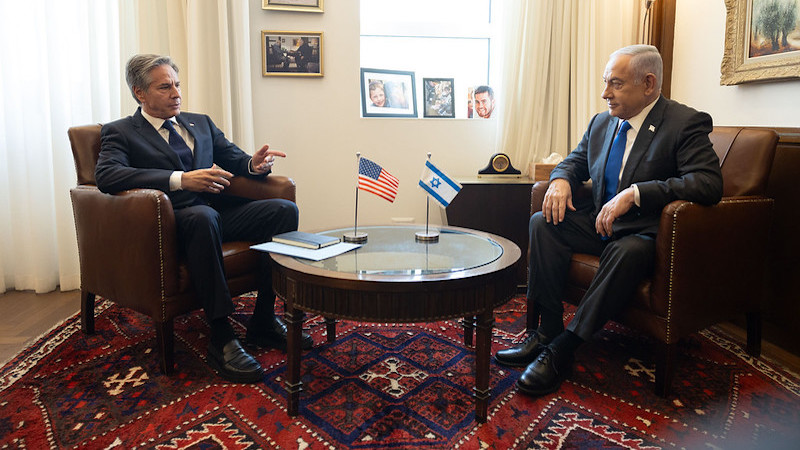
{"type": "Point", "coordinates": [433, 39]}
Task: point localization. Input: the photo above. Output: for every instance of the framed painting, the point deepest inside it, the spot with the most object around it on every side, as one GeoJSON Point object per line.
{"type": "Point", "coordinates": [388, 93]}
{"type": "Point", "coordinates": [438, 94]}
{"type": "Point", "coordinates": [762, 41]}
{"type": "Point", "coordinates": [291, 53]}
{"type": "Point", "coordinates": [293, 5]}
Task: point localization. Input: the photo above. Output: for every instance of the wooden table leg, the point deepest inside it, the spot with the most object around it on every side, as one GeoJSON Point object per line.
{"type": "Point", "coordinates": [330, 329]}
{"type": "Point", "coordinates": [469, 325]}
{"type": "Point", "coordinates": [483, 349]}
{"type": "Point", "coordinates": [294, 324]}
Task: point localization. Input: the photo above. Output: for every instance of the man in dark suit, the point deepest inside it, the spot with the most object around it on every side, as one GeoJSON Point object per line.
{"type": "Point", "coordinates": [188, 157]}
{"type": "Point", "coordinates": [661, 153]}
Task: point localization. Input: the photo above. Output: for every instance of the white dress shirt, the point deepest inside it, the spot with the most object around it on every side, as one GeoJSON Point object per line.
{"type": "Point", "coordinates": [158, 124]}
{"type": "Point", "coordinates": [636, 124]}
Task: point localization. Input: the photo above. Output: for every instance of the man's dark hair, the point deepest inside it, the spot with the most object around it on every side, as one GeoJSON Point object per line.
{"type": "Point", "coordinates": [482, 89]}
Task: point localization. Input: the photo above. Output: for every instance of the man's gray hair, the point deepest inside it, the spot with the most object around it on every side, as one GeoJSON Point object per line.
{"type": "Point", "coordinates": [644, 59]}
{"type": "Point", "coordinates": [137, 71]}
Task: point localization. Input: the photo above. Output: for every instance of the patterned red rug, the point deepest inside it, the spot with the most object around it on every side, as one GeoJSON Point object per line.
{"type": "Point", "coordinates": [385, 386]}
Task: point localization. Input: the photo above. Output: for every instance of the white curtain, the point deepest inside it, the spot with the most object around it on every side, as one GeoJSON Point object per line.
{"type": "Point", "coordinates": [554, 56]}
{"type": "Point", "coordinates": [210, 42]}
{"type": "Point", "coordinates": [62, 64]}
{"type": "Point", "coordinates": [58, 67]}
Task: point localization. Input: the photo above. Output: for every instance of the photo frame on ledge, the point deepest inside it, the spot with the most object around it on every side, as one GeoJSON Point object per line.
{"type": "Point", "coordinates": [293, 5]}
{"type": "Point", "coordinates": [388, 93]}
{"type": "Point", "coordinates": [755, 46]}
{"type": "Point", "coordinates": [292, 53]}
{"type": "Point", "coordinates": [438, 95]}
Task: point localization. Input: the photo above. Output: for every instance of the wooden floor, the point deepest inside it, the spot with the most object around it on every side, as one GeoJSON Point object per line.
{"type": "Point", "coordinates": [24, 316]}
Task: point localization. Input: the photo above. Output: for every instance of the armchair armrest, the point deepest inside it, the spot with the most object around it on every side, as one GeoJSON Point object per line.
{"type": "Point", "coordinates": [126, 243]}
{"type": "Point", "coordinates": [273, 186]}
{"type": "Point", "coordinates": [710, 258]}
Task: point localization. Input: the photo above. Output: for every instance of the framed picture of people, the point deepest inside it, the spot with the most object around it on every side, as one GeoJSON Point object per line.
{"type": "Point", "coordinates": [292, 53]}
{"type": "Point", "coordinates": [482, 102]}
{"type": "Point", "coordinates": [388, 93]}
{"type": "Point", "coordinates": [438, 94]}
{"type": "Point", "coordinates": [293, 5]}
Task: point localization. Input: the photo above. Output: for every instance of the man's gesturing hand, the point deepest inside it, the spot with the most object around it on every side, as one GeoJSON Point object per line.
{"type": "Point", "coordinates": [212, 180]}
{"type": "Point", "coordinates": [264, 159]}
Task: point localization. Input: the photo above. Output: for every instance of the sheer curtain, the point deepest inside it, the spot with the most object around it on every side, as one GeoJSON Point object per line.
{"type": "Point", "coordinates": [553, 60]}
{"type": "Point", "coordinates": [210, 42]}
{"type": "Point", "coordinates": [62, 65]}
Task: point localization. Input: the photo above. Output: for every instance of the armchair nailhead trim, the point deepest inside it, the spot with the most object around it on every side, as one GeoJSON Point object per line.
{"type": "Point", "coordinates": [672, 249]}
{"type": "Point", "coordinates": [161, 259]}
{"type": "Point", "coordinates": [672, 268]}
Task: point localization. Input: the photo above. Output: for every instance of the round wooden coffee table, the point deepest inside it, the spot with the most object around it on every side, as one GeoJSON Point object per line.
{"type": "Point", "coordinates": [394, 278]}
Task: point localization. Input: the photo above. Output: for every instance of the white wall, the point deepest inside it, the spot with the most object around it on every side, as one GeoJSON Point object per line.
{"type": "Point", "coordinates": [316, 121]}
{"type": "Point", "coordinates": [699, 46]}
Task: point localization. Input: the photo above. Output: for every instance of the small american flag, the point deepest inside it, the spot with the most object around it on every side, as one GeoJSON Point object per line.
{"type": "Point", "coordinates": [373, 178]}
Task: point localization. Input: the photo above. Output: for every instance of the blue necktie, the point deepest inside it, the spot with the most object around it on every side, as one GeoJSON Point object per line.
{"type": "Point", "coordinates": [179, 146]}
{"type": "Point", "coordinates": [614, 163]}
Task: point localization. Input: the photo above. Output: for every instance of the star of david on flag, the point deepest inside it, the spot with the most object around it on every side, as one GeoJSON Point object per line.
{"type": "Point", "coordinates": [442, 188]}
{"type": "Point", "coordinates": [375, 179]}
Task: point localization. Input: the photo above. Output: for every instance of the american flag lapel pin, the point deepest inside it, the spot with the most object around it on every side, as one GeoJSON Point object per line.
{"type": "Point", "coordinates": [191, 124]}
{"type": "Point", "coordinates": [652, 129]}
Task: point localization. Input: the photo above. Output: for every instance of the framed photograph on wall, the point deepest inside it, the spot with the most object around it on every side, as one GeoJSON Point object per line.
{"type": "Point", "coordinates": [291, 53]}
{"type": "Point", "coordinates": [388, 93]}
{"type": "Point", "coordinates": [438, 95]}
{"type": "Point", "coordinates": [293, 5]}
{"type": "Point", "coordinates": [761, 41]}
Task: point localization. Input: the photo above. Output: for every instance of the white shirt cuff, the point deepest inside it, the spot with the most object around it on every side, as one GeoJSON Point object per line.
{"type": "Point", "coordinates": [175, 181]}
{"type": "Point", "coordinates": [637, 199]}
{"type": "Point", "coordinates": [250, 168]}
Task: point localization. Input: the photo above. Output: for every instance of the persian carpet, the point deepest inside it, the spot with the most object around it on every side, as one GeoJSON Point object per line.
{"type": "Point", "coordinates": [385, 386]}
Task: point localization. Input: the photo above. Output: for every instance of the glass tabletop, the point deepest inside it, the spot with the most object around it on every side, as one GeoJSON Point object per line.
{"type": "Point", "coordinates": [393, 250]}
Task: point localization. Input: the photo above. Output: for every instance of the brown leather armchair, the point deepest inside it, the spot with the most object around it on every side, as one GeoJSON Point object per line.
{"type": "Point", "coordinates": [710, 260]}
{"type": "Point", "coordinates": [128, 249]}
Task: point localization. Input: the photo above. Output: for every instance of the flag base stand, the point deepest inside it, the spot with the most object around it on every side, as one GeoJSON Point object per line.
{"type": "Point", "coordinates": [355, 238]}
{"type": "Point", "coordinates": [426, 236]}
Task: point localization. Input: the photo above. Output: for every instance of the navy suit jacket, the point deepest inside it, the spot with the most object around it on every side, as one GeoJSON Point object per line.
{"type": "Point", "coordinates": [672, 159]}
{"type": "Point", "coordinates": [134, 155]}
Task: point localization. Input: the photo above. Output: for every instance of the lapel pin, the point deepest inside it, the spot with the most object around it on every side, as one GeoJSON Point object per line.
{"type": "Point", "coordinates": [652, 129]}
{"type": "Point", "coordinates": [191, 124]}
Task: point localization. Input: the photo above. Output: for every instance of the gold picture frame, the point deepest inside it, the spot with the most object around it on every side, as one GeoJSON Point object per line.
{"type": "Point", "coordinates": [293, 5]}
{"type": "Point", "coordinates": [749, 56]}
{"type": "Point", "coordinates": [292, 53]}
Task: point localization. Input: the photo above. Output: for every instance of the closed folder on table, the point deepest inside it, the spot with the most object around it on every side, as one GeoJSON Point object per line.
{"type": "Point", "coordinates": [306, 240]}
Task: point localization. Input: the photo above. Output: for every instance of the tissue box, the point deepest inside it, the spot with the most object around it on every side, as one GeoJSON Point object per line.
{"type": "Point", "coordinates": [541, 172]}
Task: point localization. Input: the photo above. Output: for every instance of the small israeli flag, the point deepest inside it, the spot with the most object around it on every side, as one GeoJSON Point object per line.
{"type": "Point", "coordinates": [438, 185]}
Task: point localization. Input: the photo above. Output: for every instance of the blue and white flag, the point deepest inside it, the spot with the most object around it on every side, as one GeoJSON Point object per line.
{"type": "Point", "coordinates": [438, 185]}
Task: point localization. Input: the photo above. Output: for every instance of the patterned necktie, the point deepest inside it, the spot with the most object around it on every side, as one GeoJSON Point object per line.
{"type": "Point", "coordinates": [179, 146]}
{"type": "Point", "coordinates": [614, 163]}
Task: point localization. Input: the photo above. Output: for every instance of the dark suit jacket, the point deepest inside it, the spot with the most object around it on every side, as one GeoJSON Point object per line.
{"type": "Point", "coordinates": [134, 155]}
{"type": "Point", "coordinates": [671, 159]}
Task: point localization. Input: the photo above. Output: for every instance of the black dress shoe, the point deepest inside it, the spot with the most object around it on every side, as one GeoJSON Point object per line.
{"type": "Point", "coordinates": [523, 354]}
{"type": "Point", "coordinates": [233, 363]}
{"type": "Point", "coordinates": [274, 336]}
{"type": "Point", "coordinates": [545, 375]}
